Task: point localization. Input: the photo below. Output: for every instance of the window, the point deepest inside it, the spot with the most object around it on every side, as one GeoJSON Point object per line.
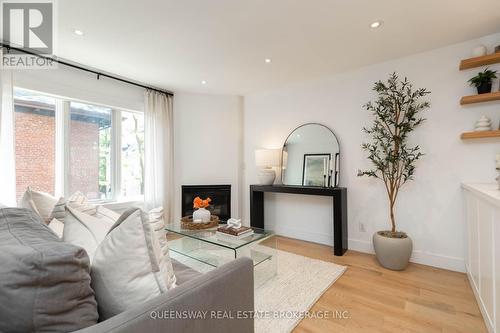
{"type": "Point", "coordinates": [64, 146]}
{"type": "Point", "coordinates": [34, 130]}
{"type": "Point", "coordinates": [90, 150]}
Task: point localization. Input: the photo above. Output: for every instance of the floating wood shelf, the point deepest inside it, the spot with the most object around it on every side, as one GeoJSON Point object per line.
{"type": "Point", "coordinates": [494, 96]}
{"type": "Point", "coordinates": [480, 135]}
{"type": "Point", "coordinates": [489, 59]}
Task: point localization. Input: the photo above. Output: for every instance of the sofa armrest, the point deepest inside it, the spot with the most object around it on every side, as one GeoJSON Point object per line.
{"type": "Point", "coordinates": [223, 298]}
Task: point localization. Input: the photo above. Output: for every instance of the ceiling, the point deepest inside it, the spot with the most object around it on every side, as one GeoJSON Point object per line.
{"type": "Point", "coordinates": [177, 44]}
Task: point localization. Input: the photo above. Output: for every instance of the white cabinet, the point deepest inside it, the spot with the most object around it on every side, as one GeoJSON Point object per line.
{"type": "Point", "coordinates": [482, 211]}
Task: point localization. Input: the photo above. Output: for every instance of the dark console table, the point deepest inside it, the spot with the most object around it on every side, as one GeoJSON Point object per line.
{"type": "Point", "coordinates": [339, 195]}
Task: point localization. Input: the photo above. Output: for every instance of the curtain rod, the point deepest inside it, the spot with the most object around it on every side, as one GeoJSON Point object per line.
{"type": "Point", "coordinates": [85, 69]}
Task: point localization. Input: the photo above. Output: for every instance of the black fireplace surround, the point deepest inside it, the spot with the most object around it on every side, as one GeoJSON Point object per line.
{"type": "Point", "coordinates": [220, 195]}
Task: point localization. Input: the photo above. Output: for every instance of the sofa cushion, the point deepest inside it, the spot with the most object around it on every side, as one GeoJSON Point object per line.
{"type": "Point", "coordinates": [45, 283]}
{"type": "Point", "coordinates": [129, 266]}
{"type": "Point", "coordinates": [40, 202]}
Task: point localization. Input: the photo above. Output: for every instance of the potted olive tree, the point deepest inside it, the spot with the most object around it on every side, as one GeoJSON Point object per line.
{"type": "Point", "coordinates": [483, 81]}
{"type": "Point", "coordinates": [396, 112]}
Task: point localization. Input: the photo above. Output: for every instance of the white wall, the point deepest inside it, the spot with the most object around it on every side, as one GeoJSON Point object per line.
{"type": "Point", "coordinates": [208, 144]}
{"type": "Point", "coordinates": [430, 208]}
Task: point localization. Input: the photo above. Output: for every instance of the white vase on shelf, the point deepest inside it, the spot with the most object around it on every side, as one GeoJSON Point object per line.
{"type": "Point", "coordinates": [479, 51]}
{"type": "Point", "coordinates": [201, 215]}
{"type": "Point", "coordinates": [483, 124]}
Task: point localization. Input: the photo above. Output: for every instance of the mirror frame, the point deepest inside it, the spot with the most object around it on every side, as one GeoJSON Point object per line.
{"type": "Point", "coordinates": [336, 176]}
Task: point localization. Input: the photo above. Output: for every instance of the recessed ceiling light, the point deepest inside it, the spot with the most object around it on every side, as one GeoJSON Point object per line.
{"type": "Point", "coordinates": [267, 60]}
{"type": "Point", "coordinates": [376, 24]}
{"type": "Point", "coordinates": [203, 82]}
{"type": "Point", "coordinates": [78, 32]}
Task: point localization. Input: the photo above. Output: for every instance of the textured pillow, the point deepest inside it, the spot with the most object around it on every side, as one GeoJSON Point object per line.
{"type": "Point", "coordinates": [80, 202]}
{"type": "Point", "coordinates": [107, 214]}
{"type": "Point", "coordinates": [59, 210]}
{"type": "Point", "coordinates": [129, 267]}
{"type": "Point", "coordinates": [45, 283]}
{"type": "Point", "coordinates": [158, 225]}
{"type": "Point", "coordinates": [40, 202]}
{"type": "Point", "coordinates": [84, 230]}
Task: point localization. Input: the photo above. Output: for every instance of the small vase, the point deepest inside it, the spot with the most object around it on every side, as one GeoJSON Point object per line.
{"type": "Point", "coordinates": [201, 215]}
{"type": "Point", "coordinates": [484, 88]}
{"type": "Point", "coordinates": [479, 51]}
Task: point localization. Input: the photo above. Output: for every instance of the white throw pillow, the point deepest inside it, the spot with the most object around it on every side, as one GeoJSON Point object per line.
{"type": "Point", "coordinates": [80, 202]}
{"type": "Point", "coordinates": [57, 227]}
{"type": "Point", "coordinates": [107, 214]}
{"type": "Point", "coordinates": [129, 266]}
{"type": "Point", "coordinates": [85, 230]}
{"type": "Point", "coordinates": [158, 224]}
{"type": "Point", "coordinates": [40, 202]}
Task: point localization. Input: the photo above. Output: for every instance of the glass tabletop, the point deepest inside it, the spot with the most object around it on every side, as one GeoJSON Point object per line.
{"type": "Point", "coordinates": [210, 236]}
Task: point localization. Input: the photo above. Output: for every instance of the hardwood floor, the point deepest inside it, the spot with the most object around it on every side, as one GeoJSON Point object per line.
{"type": "Point", "coordinates": [420, 299]}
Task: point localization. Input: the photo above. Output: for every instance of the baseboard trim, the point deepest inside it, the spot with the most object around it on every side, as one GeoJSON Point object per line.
{"type": "Point", "coordinates": [418, 257]}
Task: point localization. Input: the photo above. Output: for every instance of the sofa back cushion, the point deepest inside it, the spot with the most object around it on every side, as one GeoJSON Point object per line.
{"type": "Point", "coordinates": [44, 283]}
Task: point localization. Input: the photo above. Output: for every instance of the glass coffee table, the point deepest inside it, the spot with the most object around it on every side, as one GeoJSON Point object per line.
{"type": "Point", "coordinates": [204, 249]}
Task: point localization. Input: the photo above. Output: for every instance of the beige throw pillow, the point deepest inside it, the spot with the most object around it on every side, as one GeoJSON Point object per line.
{"type": "Point", "coordinates": [57, 227]}
{"type": "Point", "coordinates": [39, 202]}
{"type": "Point", "coordinates": [85, 230]}
{"type": "Point", "coordinates": [80, 202]}
{"type": "Point", "coordinates": [131, 259]}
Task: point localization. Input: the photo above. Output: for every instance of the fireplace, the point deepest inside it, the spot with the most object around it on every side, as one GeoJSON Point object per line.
{"type": "Point", "coordinates": [220, 195]}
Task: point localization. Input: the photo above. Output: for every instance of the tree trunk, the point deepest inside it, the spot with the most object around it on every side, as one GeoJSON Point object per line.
{"type": "Point", "coordinates": [393, 221]}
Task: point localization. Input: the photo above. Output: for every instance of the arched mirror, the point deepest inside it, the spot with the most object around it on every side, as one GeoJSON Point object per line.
{"type": "Point", "coordinates": [310, 157]}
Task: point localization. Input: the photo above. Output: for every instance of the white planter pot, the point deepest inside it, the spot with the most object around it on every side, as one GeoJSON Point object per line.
{"type": "Point", "coordinates": [201, 215]}
{"type": "Point", "coordinates": [392, 253]}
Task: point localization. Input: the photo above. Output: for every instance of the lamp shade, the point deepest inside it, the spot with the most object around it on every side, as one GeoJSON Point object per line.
{"type": "Point", "coordinates": [267, 157]}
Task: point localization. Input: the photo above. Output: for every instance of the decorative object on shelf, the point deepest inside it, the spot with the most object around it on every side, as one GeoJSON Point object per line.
{"type": "Point", "coordinates": [231, 231]}
{"type": "Point", "coordinates": [397, 114]}
{"type": "Point", "coordinates": [483, 124]}
{"type": "Point", "coordinates": [266, 159]}
{"type": "Point", "coordinates": [483, 81]}
{"type": "Point", "coordinates": [187, 223]}
{"type": "Point", "coordinates": [497, 49]}
{"type": "Point", "coordinates": [498, 169]}
{"type": "Point", "coordinates": [316, 169]}
{"type": "Point", "coordinates": [201, 214]}
{"type": "Point", "coordinates": [233, 223]}
{"type": "Point", "coordinates": [479, 51]}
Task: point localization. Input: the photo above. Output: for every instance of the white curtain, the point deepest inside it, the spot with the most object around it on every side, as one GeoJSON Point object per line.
{"type": "Point", "coordinates": [7, 151]}
{"type": "Point", "coordinates": [158, 152]}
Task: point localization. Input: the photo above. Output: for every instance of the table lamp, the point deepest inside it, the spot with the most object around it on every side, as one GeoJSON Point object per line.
{"type": "Point", "coordinates": [266, 159]}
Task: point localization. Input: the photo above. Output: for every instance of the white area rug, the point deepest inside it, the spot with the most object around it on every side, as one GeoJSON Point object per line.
{"type": "Point", "coordinates": [298, 285]}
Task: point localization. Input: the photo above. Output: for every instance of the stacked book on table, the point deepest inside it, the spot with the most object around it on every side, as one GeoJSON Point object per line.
{"type": "Point", "coordinates": [234, 233]}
